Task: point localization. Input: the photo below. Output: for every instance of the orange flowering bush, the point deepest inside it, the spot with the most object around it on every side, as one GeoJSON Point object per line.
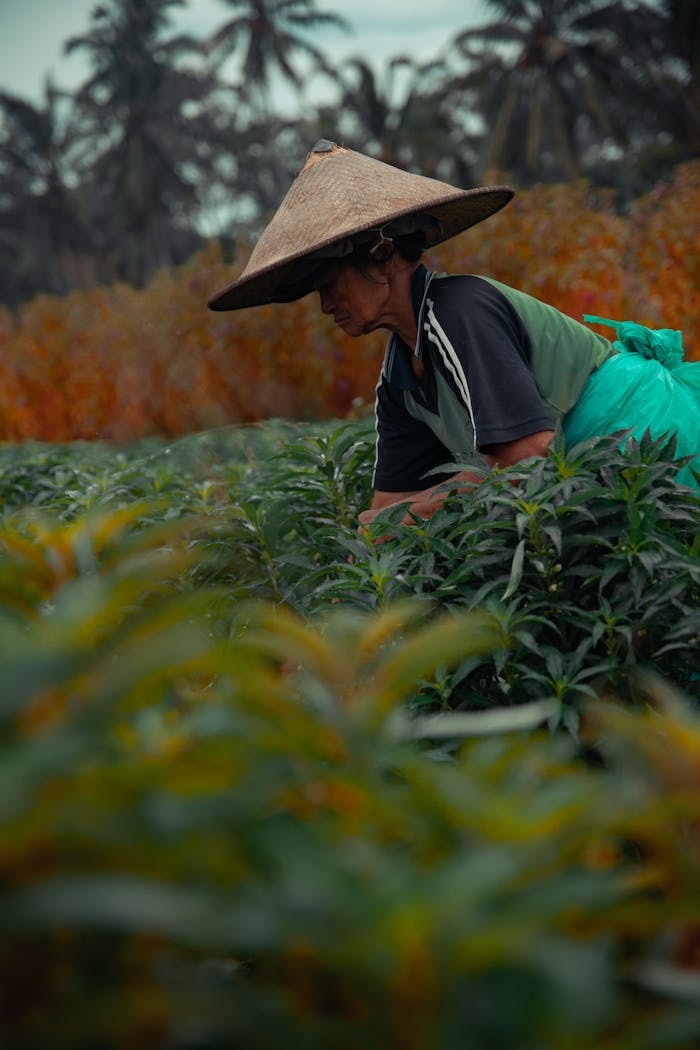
{"type": "Point", "coordinates": [665, 255]}
{"type": "Point", "coordinates": [563, 244]}
{"type": "Point", "coordinates": [120, 363]}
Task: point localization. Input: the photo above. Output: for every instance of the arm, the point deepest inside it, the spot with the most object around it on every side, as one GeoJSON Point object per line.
{"type": "Point", "coordinates": [424, 502]}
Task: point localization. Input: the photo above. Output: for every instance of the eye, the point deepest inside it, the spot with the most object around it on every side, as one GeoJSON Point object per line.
{"type": "Point", "coordinates": [327, 281]}
{"type": "Point", "coordinates": [324, 283]}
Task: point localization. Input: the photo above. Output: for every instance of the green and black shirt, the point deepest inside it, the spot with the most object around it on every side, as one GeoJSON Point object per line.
{"type": "Point", "coordinates": [499, 365]}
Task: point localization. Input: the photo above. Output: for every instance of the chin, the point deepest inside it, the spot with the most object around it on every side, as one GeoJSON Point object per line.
{"type": "Point", "coordinates": [351, 328]}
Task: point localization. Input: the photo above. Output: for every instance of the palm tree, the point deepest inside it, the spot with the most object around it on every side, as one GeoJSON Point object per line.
{"type": "Point", "coordinates": [397, 115]}
{"type": "Point", "coordinates": [255, 161]}
{"type": "Point", "coordinates": [683, 33]}
{"type": "Point", "coordinates": [43, 243]}
{"type": "Point", "coordinates": [145, 133]}
{"type": "Point", "coordinates": [672, 39]}
{"type": "Point", "coordinates": [555, 82]}
{"type": "Point", "coordinates": [268, 33]}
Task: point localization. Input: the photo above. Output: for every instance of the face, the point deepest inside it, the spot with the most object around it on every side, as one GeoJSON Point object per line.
{"type": "Point", "coordinates": [359, 302]}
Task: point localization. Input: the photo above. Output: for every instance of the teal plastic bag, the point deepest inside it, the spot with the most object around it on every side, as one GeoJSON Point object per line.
{"type": "Point", "coordinates": [645, 385]}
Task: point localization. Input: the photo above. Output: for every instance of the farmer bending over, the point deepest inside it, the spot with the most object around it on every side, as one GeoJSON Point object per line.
{"type": "Point", "coordinates": [472, 367]}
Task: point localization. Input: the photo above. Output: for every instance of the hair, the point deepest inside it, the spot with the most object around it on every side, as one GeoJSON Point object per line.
{"type": "Point", "coordinates": [409, 246]}
{"type": "Point", "coordinates": [370, 251]}
{"type": "Point", "coordinates": [375, 251]}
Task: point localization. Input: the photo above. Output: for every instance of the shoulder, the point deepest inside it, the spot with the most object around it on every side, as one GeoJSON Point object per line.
{"type": "Point", "coordinates": [453, 290]}
{"type": "Point", "coordinates": [456, 298]}
{"type": "Point", "coordinates": [473, 312]}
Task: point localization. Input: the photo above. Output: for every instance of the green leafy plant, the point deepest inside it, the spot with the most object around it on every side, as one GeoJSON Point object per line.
{"type": "Point", "coordinates": [588, 559]}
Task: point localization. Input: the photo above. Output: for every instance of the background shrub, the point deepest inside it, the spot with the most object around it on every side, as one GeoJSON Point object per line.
{"type": "Point", "coordinates": [120, 364]}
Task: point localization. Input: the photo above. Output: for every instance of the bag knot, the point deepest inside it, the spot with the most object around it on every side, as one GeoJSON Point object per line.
{"type": "Point", "coordinates": [656, 344]}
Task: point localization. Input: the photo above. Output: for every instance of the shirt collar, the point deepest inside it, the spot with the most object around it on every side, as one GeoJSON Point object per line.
{"type": "Point", "coordinates": [397, 362]}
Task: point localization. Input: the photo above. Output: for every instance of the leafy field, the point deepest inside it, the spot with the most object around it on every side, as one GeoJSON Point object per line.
{"type": "Point", "coordinates": [266, 782]}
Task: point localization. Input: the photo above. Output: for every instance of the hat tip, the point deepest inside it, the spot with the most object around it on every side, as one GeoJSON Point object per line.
{"type": "Point", "coordinates": [324, 146]}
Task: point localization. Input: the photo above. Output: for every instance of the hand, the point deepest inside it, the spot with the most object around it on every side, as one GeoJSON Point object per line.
{"type": "Point", "coordinates": [424, 508]}
{"type": "Point", "coordinates": [414, 509]}
{"type": "Point", "coordinates": [366, 517]}
{"type": "Point", "coordinates": [421, 509]}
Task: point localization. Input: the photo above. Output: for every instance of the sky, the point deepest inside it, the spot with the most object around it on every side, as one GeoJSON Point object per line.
{"type": "Point", "coordinates": [32, 33]}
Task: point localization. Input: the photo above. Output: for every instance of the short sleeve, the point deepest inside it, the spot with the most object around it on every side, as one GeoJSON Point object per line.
{"type": "Point", "coordinates": [406, 447]}
{"type": "Point", "coordinates": [482, 343]}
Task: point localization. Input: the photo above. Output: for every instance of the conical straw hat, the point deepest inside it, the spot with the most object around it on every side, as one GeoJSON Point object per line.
{"type": "Point", "coordinates": [340, 194]}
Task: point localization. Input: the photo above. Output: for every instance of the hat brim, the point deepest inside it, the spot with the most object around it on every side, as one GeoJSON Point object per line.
{"type": "Point", "coordinates": [340, 195]}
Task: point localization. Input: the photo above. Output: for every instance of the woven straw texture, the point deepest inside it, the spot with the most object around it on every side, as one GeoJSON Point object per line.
{"type": "Point", "coordinates": [338, 194]}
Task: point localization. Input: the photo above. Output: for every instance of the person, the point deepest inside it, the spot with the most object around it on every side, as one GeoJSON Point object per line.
{"type": "Point", "coordinates": [474, 371]}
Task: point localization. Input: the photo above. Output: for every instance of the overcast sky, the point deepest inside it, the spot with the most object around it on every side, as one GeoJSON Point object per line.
{"type": "Point", "coordinates": [32, 33]}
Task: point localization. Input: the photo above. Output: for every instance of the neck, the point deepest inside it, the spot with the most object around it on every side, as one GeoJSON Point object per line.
{"type": "Point", "coordinates": [408, 332]}
{"type": "Point", "coordinates": [403, 321]}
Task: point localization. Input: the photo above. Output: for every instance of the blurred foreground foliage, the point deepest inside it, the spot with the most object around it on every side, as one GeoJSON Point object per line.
{"type": "Point", "coordinates": [254, 794]}
{"type": "Point", "coordinates": [119, 363]}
